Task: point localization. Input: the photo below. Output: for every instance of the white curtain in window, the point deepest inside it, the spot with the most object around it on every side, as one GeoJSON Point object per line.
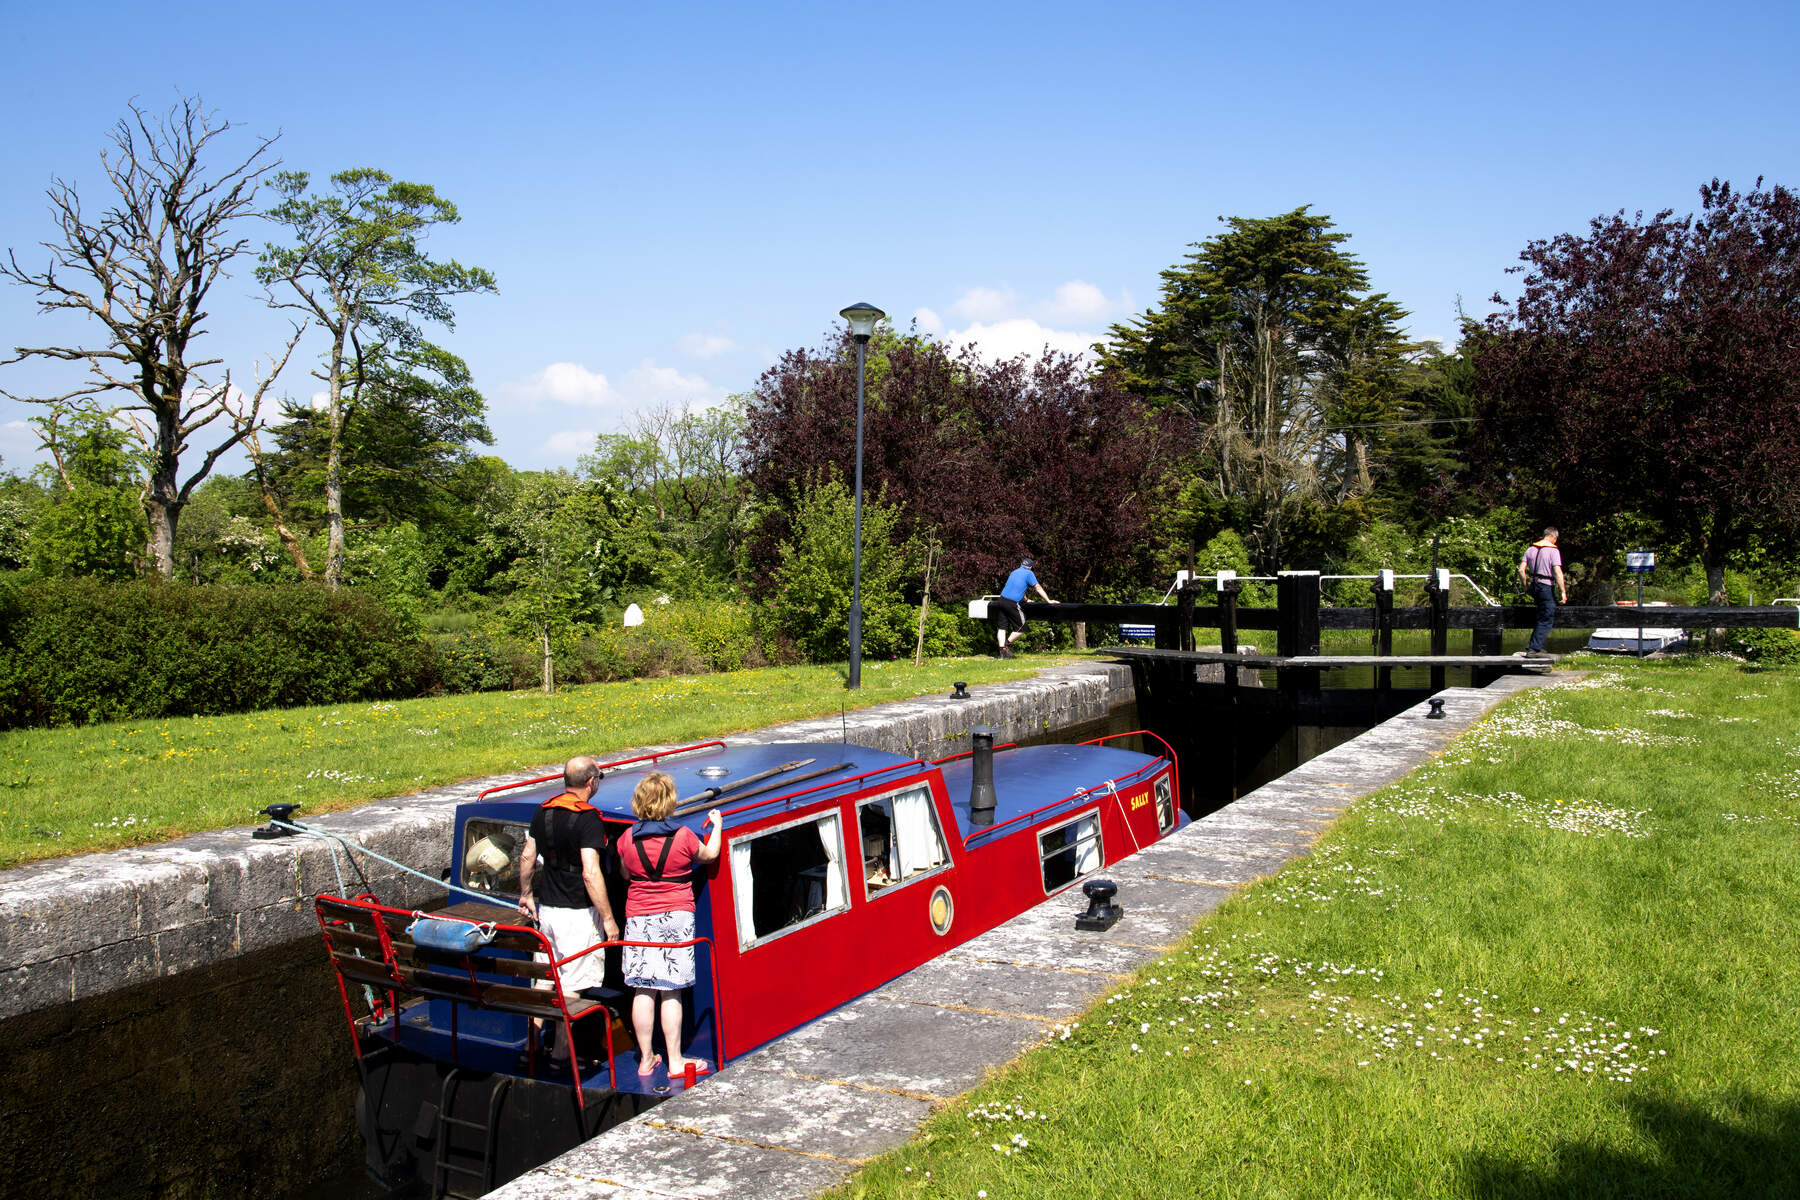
{"type": "Point", "coordinates": [743, 892]}
{"type": "Point", "coordinates": [1087, 842]}
{"type": "Point", "coordinates": [920, 848]}
{"type": "Point", "coordinates": [834, 863]}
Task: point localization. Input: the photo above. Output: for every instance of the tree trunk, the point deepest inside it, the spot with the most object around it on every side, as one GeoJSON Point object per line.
{"type": "Point", "coordinates": [334, 512]}
{"type": "Point", "coordinates": [549, 667]}
{"type": "Point", "coordinates": [289, 541]}
{"type": "Point", "coordinates": [162, 491]}
{"type": "Point", "coordinates": [160, 549]}
{"type": "Point", "coordinates": [1081, 635]}
{"type": "Point", "coordinates": [334, 471]}
{"type": "Point", "coordinates": [924, 608]}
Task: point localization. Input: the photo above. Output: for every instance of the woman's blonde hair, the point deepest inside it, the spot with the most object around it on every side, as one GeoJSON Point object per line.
{"type": "Point", "coordinates": [654, 798]}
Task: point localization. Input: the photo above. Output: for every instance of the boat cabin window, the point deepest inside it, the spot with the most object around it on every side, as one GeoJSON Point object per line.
{"type": "Point", "coordinates": [491, 858]}
{"type": "Point", "coordinates": [1165, 803]}
{"type": "Point", "coordinates": [1070, 851]}
{"type": "Point", "coordinates": [787, 878]}
{"type": "Point", "coordinates": [900, 839]}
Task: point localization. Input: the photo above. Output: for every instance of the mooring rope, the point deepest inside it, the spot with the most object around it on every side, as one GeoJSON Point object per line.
{"type": "Point", "coordinates": [349, 845]}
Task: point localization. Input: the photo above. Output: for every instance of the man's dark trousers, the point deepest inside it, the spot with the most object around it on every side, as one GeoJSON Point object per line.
{"type": "Point", "coordinates": [1545, 595]}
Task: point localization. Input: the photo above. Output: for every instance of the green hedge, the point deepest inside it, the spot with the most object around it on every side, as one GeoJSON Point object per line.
{"type": "Point", "coordinates": [1766, 647]}
{"type": "Point", "coordinates": [79, 651]}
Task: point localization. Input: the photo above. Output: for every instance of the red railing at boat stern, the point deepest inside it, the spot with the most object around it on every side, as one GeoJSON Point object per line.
{"type": "Point", "coordinates": [396, 984]}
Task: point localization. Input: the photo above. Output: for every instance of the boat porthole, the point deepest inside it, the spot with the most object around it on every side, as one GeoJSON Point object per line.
{"type": "Point", "coordinates": [943, 911]}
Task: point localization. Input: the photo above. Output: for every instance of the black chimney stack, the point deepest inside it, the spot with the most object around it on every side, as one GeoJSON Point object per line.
{"type": "Point", "coordinates": [981, 787]}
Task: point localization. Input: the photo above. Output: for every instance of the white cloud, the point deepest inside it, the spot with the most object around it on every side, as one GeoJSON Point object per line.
{"type": "Point", "coordinates": [705, 345]}
{"type": "Point", "coordinates": [1077, 300]}
{"type": "Point", "coordinates": [569, 443]}
{"type": "Point", "coordinates": [1021, 335]}
{"type": "Point", "coordinates": [1004, 327]}
{"type": "Point", "coordinates": [645, 386]}
{"type": "Point", "coordinates": [572, 384]}
{"type": "Point", "coordinates": [985, 304]}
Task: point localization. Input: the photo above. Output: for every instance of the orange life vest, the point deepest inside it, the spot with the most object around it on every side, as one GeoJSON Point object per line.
{"type": "Point", "coordinates": [571, 802]}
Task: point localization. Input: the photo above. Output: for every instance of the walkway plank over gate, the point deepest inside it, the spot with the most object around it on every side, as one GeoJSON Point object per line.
{"type": "Point", "coordinates": [1502, 662]}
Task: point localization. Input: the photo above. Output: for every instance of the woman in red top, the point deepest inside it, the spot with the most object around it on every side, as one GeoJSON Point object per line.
{"type": "Point", "coordinates": [660, 860]}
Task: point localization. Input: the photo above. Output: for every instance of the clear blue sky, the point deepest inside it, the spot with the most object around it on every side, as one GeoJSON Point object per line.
{"type": "Point", "coordinates": [671, 195]}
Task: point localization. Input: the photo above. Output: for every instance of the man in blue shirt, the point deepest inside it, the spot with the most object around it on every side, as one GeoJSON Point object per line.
{"type": "Point", "coordinates": [1008, 617]}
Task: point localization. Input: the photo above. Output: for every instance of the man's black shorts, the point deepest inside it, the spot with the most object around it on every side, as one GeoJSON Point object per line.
{"type": "Point", "coordinates": [1006, 614]}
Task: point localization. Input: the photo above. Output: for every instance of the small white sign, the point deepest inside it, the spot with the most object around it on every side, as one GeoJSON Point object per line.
{"type": "Point", "coordinates": [1640, 560]}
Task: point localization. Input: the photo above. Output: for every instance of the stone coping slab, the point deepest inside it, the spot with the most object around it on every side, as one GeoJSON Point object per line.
{"type": "Point", "coordinates": [861, 1080]}
{"type": "Point", "coordinates": [75, 928]}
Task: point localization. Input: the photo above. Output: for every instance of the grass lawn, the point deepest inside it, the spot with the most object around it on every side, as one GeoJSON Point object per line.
{"type": "Point", "coordinates": [1559, 961]}
{"type": "Point", "coordinates": [70, 791]}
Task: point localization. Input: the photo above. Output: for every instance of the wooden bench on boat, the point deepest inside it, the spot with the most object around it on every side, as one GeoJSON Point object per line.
{"type": "Point", "coordinates": [506, 968]}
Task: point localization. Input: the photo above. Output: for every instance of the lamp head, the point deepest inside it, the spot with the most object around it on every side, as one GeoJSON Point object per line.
{"type": "Point", "coordinates": [862, 318]}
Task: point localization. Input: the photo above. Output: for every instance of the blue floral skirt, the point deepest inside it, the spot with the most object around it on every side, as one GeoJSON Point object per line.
{"type": "Point", "coordinates": [662, 967]}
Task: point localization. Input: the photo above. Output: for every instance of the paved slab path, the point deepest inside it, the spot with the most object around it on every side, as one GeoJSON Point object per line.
{"type": "Point", "coordinates": [800, 1115]}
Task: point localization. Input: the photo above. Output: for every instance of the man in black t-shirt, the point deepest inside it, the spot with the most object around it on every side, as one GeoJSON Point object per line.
{"type": "Point", "coordinates": [561, 865]}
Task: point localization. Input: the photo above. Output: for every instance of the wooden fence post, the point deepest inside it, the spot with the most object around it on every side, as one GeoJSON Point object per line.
{"type": "Point", "coordinates": [1384, 628]}
{"type": "Point", "coordinates": [1228, 587]}
{"type": "Point", "coordinates": [1297, 628]}
{"type": "Point", "coordinates": [1439, 588]}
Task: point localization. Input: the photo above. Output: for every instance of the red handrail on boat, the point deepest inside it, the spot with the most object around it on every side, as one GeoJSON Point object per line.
{"type": "Point", "coordinates": [949, 758]}
{"type": "Point", "coordinates": [654, 756]}
{"type": "Point", "coordinates": [1168, 753]}
{"type": "Point", "coordinates": [1071, 797]}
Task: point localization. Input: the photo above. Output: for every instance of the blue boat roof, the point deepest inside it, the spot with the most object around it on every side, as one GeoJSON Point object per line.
{"type": "Point", "coordinates": [1029, 777]}
{"type": "Point", "coordinates": [720, 767]}
{"type": "Point", "coordinates": [1025, 779]}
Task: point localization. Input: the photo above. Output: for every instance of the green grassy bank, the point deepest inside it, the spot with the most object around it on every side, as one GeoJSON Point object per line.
{"type": "Point", "coordinates": [1559, 961]}
{"type": "Point", "coordinates": [74, 790]}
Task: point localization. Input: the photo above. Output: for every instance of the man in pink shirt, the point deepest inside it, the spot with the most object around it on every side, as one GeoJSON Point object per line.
{"type": "Point", "coordinates": [1539, 570]}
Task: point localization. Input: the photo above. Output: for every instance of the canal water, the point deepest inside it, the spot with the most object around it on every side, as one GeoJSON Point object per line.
{"type": "Point", "coordinates": [239, 1079]}
{"type": "Point", "coordinates": [235, 1079]}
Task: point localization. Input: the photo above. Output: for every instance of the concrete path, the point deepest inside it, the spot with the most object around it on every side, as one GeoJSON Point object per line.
{"type": "Point", "coordinates": [800, 1115]}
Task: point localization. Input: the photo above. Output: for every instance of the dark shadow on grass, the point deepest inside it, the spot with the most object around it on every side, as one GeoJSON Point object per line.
{"type": "Point", "coordinates": [1753, 1153]}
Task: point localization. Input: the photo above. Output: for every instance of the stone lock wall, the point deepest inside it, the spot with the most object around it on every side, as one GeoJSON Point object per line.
{"type": "Point", "coordinates": [77, 928]}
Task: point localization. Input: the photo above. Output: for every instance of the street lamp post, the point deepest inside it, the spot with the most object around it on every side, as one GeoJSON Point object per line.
{"type": "Point", "coordinates": [862, 318]}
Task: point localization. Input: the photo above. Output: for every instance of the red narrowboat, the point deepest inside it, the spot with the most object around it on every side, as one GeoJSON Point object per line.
{"type": "Point", "coordinates": [842, 867]}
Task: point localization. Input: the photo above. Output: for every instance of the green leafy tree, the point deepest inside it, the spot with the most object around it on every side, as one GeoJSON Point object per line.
{"type": "Point", "coordinates": [1269, 340]}
{"type": "Point", "coordinates": [21, 500]}
{"type": "Point", "coordinates": [687, 465]}
{"type": "Point", "coordinates": [1427, 443]}
{"type": "Point", "coordinates": [404, 443]}
{"type": "Point", "coordinates": [95, 525]}
{"type": "Point", "coordinates": [355, 265]}
{"type": "Point", "coordinates": [811, 600]}
{"type": "Point", "coordinates": [569, 553]}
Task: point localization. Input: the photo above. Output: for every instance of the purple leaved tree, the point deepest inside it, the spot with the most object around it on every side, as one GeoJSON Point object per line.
{"type": "Point", "coordinates": [1654, 367]}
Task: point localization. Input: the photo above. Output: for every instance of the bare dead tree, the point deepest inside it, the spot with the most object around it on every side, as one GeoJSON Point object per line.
{"type": "Point", "coordinates": [142, 270]}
